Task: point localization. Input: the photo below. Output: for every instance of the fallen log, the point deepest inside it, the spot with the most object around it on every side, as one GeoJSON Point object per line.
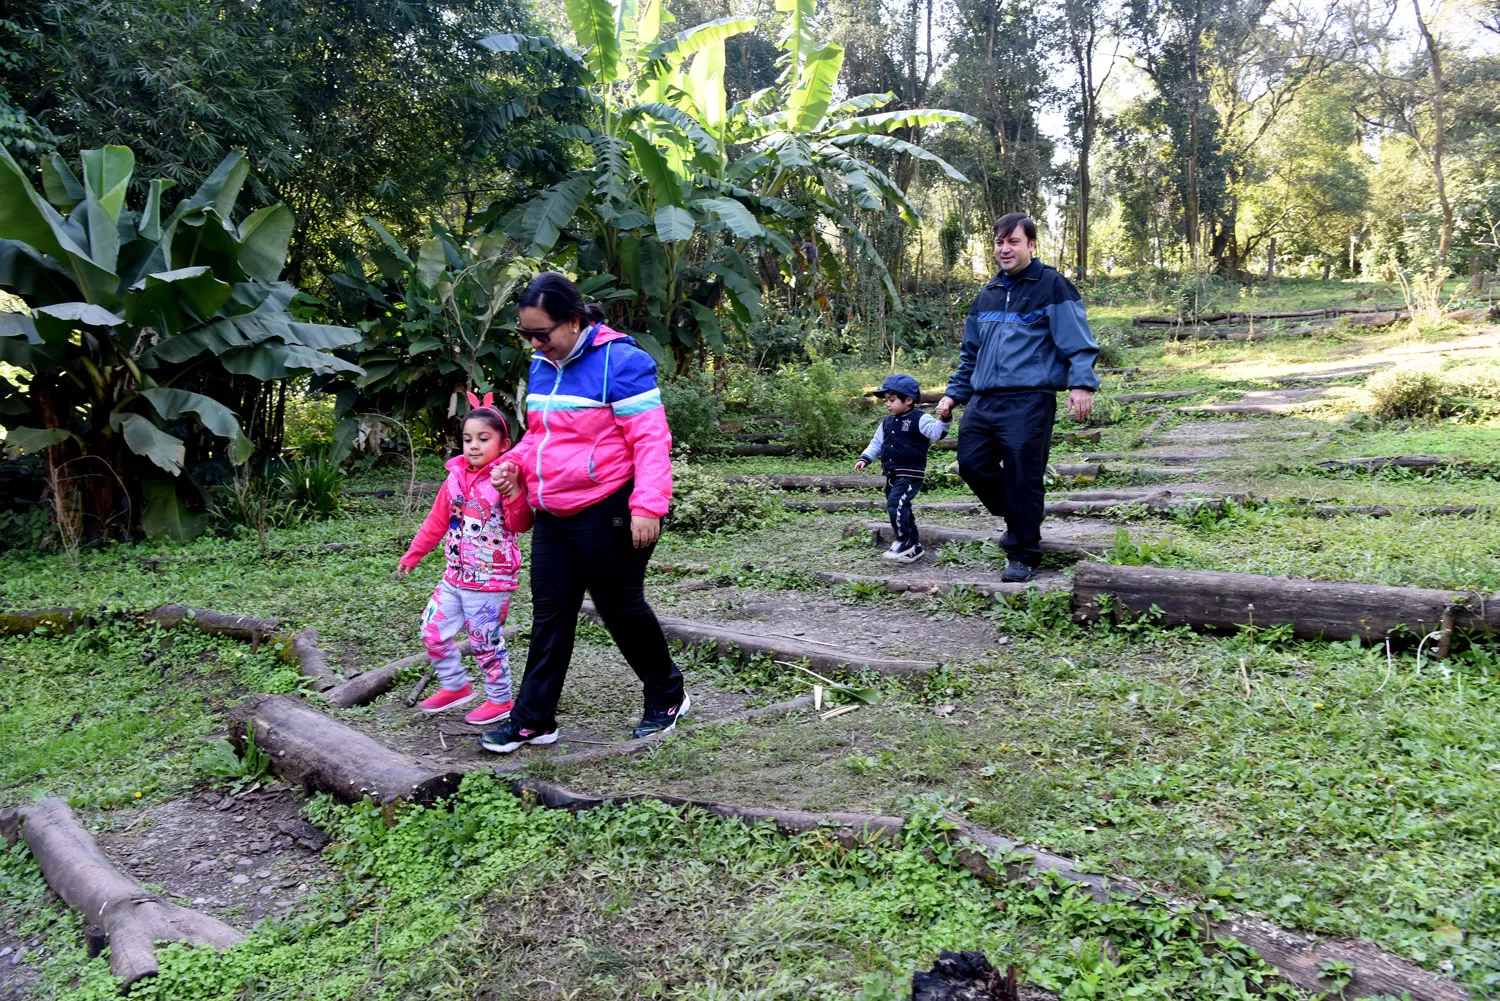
{"type": "Point", "coordinates": [932, 588]}
{"type": "Point", "coordinates": [880, 534]}
{"type": "Point", "coordinates": [748, 450]}
{"type": "Point", "coordinates": [1296, 957]}
{"type": "Point", "coordinates": [249, 628]}
{"type": "Point", "coordinates": [1375, 462]}
{"type": "Point", "coordinates": [1384, 511]}
{"type": "Point", "coordinates": [371, 685]}
{"type": "Point", "coordinates": [303, 650]}
{"type": "Point", "coordinates": [828, 484]}
{"type": "Point", "coordinates": [14, 622]}
{"type": "Point", "coordinates": [1176, 394]}
{"type": "Point", "coordinates": [1159, 501]}
{"type": "Point", "coordinates": [729, 641]}
{"type": "Point", "coordinates": [1243, 317]}
{"type": "Point", "coordinates": [310, 749]}
{"type": "Point", "coordinates": [1333, 610]}
{"type": "Point", "coordinates": [639, 745]}
{"type": "Point", "coordinates": [133, 918]}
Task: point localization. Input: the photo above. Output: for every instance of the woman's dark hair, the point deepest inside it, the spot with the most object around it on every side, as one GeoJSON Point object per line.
{"type": "Point", "coordinates": [492, 418]}
{"type": "Point", "coordinates": [1006, 225]}
{"type": "Point", "coordinates": [559, 298]}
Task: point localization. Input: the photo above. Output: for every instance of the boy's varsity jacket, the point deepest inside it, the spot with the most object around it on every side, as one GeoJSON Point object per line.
{"type": "Point", "coordinates": [481, 529]}
{"type": "Point", "coordinates": [594, 422]}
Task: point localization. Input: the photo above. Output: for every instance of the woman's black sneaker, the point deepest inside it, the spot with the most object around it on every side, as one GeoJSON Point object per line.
{"type": "Point", "coordinates": [510, 735]}
{"type": "Point", "coordinates": [662, 720]}
{"type": "Point", "coordinates": [1017, 573]}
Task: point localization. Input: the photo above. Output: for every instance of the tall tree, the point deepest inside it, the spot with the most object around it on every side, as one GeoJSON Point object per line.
{"type": "Point", "coordinates": [1083, 22]}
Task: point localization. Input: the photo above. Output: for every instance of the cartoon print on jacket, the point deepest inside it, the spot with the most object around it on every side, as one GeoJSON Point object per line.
{"type": "Point", "coordinates": [479, 542]}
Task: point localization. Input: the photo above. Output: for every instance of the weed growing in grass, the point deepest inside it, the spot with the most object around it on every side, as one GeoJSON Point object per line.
{"type": "Point", "coordinates": [1033, 612]}
{"type": "Point", "coordinates": [1128, 551]}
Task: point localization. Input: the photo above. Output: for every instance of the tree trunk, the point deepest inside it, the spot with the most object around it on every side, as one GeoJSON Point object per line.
{"type": "Point", "coordinates": [133, 918]}
{"type": "Point", "coordinates": [1439, 112]}
{"type": "Point", "coordinates": [1271, 258]}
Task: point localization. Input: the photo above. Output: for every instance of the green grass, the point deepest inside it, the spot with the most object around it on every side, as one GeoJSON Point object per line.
{"type": "Point", "coordinates": [486, 897]}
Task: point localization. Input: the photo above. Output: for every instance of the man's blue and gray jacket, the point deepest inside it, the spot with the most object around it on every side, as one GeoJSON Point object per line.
{"type": "Point", "coordinates": [1026, 331]}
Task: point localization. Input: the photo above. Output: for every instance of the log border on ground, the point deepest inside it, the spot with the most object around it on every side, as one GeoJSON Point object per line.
{"type": "Point", "coordinates": [1331, 610]}
{"type": "Point", "coordinates": [309, 748]}
{"type": "Point", "coordinates": [880, 534]}
{"type": "Point", "coordinates": [133, 918]}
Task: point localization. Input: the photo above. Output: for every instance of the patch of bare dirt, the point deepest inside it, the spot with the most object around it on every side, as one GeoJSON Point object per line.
{"type": "Point", "coordinates": [897, 628]}
{"type": "Point", "coordinates": [239, 858]}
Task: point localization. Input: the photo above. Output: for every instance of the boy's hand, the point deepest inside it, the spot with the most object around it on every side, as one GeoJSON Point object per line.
{"type": "Point", "coordinates": [506, 478]}
{"type": "Point", "coordinates": [402, 570]}
{"type": "Point", "coordinates": [945, 408]}
{"type": "Point", "coordinates": [859, 466]}
{"type": "Point", "coordinates": [1080, 404]}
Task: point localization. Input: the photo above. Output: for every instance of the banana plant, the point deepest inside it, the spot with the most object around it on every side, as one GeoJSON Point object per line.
{"type": "Point", "coordinates": [138, 323]}
{"type": "Point", "coordinates": [688, 201]}
{"type": "Point", "coordinates": [437, 320]}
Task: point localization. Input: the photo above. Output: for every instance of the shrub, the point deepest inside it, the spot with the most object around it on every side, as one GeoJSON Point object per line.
{"type": "Point", "coordinates": [820, 421]}
{"type": "Point", "coordinates": [704, 502]}
{"type": "Point", "coordinates": [1409, 392]}
{"type": "Point", "coordinates": [693, 411]}
{"type": "Point", "coordinates": [1112, 344]}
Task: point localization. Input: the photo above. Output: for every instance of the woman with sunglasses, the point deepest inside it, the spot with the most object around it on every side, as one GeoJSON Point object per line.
{"type": "Point", "coordinates": [596, 464]}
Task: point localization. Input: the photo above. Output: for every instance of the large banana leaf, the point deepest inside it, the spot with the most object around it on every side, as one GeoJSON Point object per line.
{"type": "Point", "coordinates": [669, 53]}
{"type": "Point", "coordinates": [673, 223]}
{"type": "Point", "coordinates": [172, 404]}
{"type": "Point", "coordinates": [593, 24]}
{"type": "Point", "coordinates": [798, 41]}
{"type": "Point", "coordinates": [706, 84]}
{"type": "Point", "coordinates": [548, 214]}
{"type": "Point", "coordinates": [807, 104]}
{"type": "Point", "coordinates": [895, 145]}
{"type": "Point", "coordinates": [663, 182]}
{"type": "Point", "coordinates": [735, 215]}
{"type": "Point", "coordinates": [886, 121]}
{"type": "Point", "coordinates": [27, 218]}
{"type": "Point", "coordinates": [518, 43]}
{"type": "Point", "coordinates": [265, 236]}
{"type": "Point", "coordinates": [146, 439]}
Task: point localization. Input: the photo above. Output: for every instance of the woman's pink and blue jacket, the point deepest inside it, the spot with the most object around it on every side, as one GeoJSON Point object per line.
{"type": "Point", "coordinates": [594, 422]}
{"type": "Point", "coordinates": [480, 528]}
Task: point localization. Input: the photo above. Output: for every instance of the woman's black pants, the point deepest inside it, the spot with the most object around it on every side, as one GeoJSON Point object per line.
{"type": "Point", "coordinates": [590, 551]}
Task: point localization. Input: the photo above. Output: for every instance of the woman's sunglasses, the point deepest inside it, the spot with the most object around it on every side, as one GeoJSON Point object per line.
{"type": "Point", "coordinates": [540, 336]}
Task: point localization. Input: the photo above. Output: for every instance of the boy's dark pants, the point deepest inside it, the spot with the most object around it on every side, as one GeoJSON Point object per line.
{"type": "Point", "coordinates": [899, 493]}
{"type": "Point", "coordinates": [590, 550]}
{"type": "Point", "coordinates": [1003, 445]}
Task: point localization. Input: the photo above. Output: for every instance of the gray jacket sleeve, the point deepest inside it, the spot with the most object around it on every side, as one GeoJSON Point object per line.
{"type": "Point", "coordinates": [932, 427]}
{"type": "Point", "coordinates": [872, 450]}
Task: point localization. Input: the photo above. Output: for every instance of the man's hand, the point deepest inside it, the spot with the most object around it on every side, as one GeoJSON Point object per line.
{"type": "Point", "coordinates": [859, 467]}
{"type": "Point", "coordinates": [506, 478]}
{"type": "Point", "coordinates": [945, 408]}
{"type": "Point", "coordinates": [1080, 403]}
{"type": "Point", "coordinates": [644, 531]}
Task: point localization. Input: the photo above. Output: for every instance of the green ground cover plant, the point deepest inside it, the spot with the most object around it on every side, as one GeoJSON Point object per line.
{"type": "Point", "coordinates": [488, 896]}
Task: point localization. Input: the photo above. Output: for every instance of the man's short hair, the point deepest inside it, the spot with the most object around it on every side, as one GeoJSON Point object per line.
{"type": "Point", "coordinates": [1006, 225]}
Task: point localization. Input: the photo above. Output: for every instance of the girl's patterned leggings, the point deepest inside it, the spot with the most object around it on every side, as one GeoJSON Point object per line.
{"type": "Point", "coordinates": [484, 613]}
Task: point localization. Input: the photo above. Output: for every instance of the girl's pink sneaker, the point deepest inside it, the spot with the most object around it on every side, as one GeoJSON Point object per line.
{"type": "Point", "coordinates": [445, 699]}
{"type": "Point", "coordinates": [490, 712]}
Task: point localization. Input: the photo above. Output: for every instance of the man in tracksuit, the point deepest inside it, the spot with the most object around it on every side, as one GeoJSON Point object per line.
{"type": "Point", "coordinates": [1026, 338]}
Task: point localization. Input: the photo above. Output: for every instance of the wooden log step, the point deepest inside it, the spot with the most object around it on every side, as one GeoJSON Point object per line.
{"type": "Point", "coordinates": [1331, 610]}
{"type": "Point", "coordinates": [742, 451]}
{"type": "Point", "coordinates": [1384, 511]}
{"type": "Point", "coordinates": [1176, 394]}
{"type": "Point", "coordinates": [132, 918]}
{"type": "Point", "coordinates": [313, 750]}
{"type": "Point", "coordinates": [791, 481]}
{"type": "Point", "coordinates": [17, 622]}
{"type": "Point", "coordinates": [1160, 500]}
{"type": "Point", "coordinates": [880, 534]}
{"type": "Point", "coordinates": [366, 688]}
{"type": "Point", "coordinates": [732, 641]}
{"type": "Point", "coordinates": [1374, 462]}
{"type": "Point", "coordinates": [932, 588]}
{"type": "Point", "coordinates": [1249, 317]}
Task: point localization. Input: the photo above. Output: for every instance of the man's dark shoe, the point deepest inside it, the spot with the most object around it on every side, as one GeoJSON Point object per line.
{"type": "Point", "coordinates": [1017, 573]}
{"type": "Point", "coordinates": [662, 720]}
{"type": "Point", "coordinates": [510, 735]}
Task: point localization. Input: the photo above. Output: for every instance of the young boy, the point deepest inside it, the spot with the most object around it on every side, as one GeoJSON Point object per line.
{"type": "Point", "coordinates": [901, 443]}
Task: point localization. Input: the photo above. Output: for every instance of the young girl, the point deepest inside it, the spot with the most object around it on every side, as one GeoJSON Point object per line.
{"type": "Point", "coordinates": [483, 563]}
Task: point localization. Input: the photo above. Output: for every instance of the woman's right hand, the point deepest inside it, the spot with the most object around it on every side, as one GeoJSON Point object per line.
{"type": "Point", "coordinates": [506, 478]}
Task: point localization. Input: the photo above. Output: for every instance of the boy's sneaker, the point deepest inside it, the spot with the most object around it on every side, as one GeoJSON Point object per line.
{"type": "Point", "coordinates": [445, 699]}
{"type": "Point", "coordinates": [490, 712]}
{"type": "Point", "coordinates": [662, 720]}
{"type": "Point", "coordinates": [891, 551]}
{"type": "Point", "coordinates": [1017, 573]}
{"type": "Point", "coordinates": [916, 552]}
{"type": "Point", "coordinates": [510, 735]}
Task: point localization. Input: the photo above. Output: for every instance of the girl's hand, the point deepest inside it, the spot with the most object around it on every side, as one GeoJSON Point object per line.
{"type": "Point", "coordinates": [402, 570]}
{"type": "Point", "coordinates": [644, 531]}
{"type": "Point", "coordinates": [506, 478]}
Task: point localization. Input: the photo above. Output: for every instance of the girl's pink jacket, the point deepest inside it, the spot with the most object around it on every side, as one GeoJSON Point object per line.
{"type": "Point", "coordinates": [595, 422]}
{"type": "Point", "coordinates": [481, 529]}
